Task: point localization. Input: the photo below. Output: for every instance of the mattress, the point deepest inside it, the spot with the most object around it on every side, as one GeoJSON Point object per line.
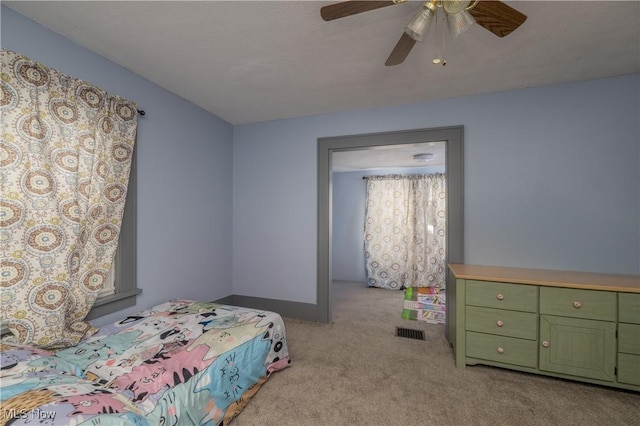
{"type": "Point", "coordinates": [179, 363]}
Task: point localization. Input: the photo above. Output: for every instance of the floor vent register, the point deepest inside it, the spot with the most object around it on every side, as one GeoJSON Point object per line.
{"type": "Point", "coordinates": [410, 333]}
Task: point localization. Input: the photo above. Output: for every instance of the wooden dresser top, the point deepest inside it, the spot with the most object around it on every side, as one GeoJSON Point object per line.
{"type": "Point", "coordinates": [552, 278]}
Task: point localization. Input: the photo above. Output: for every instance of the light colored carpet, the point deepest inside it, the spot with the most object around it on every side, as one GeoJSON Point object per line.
{"type": "Point", "coordinates": [354, 371]}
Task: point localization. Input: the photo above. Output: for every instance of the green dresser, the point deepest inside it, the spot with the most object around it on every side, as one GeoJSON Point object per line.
{"type": "Point", "coordinates": [578, 326]}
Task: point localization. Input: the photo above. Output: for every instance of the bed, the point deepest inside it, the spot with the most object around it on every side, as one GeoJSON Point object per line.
{"type": "Point", "coordinates": [178, 363]}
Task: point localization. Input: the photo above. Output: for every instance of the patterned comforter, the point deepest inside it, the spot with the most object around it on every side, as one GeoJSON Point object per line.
{"type": "Point", "coordinates": [179, 363]}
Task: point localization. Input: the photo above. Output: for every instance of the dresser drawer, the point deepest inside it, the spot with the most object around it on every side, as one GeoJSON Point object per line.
{"type": "Point", "coordinates": [629, 369]}
{"type": "Point", "coordinates": [629, 307]}
{"type": "Point", "coordinates": [515, 297]}
{"type": "Point", "coordinates": [629, 338]}
{"type": "Point", "coordinates": [568, 302]}
{"type": "Point", "coordinates": [507, 350]}
{"type": "Point", "coordinates": [523, 325]}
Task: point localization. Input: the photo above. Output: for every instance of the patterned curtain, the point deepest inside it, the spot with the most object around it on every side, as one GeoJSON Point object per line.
{"type": "Point", "coordinates": [65, 157]}
{"type": "Point", "coordinates": [405, 231]}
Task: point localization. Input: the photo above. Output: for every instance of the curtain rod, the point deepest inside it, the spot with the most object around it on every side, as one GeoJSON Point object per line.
{"type": "Point", "coordinates": [400, 174]}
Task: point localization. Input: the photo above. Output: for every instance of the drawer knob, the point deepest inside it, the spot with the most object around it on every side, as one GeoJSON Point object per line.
{"type": "Point", "coordinates": [577, 305]}
{"type": "Point", "coordinates": [545, 344]}
{"type": "Point", "coordinates": [500, 350]}
{"type": "Point", "coordinates": [500, 323]}
{"type": "Point", "coordinates": [500, 296]}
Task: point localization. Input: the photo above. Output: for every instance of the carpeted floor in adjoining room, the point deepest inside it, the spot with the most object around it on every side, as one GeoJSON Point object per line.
{"type": "Point", "coordinates": [355, 371]}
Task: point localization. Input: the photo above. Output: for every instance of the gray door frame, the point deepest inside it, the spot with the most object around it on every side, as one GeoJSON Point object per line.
{"type": "Point", "coordinates": [452, 136]}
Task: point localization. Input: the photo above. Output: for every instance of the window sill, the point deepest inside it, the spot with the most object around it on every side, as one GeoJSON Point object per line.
{"type": "Point", "coordinates": [113, 303]}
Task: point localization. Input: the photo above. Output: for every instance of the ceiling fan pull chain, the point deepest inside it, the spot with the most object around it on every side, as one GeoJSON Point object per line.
{"type": "Point", "coordinates": [440, 55]}
{"type": "Point", "coordinates": [436, 60]}
{"type": "Point", "coordinates": [444, 60]}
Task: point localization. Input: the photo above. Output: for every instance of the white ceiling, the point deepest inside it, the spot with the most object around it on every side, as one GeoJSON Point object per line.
{"type": "Point", "coordinates": [257, 61]}
{"type": "Point", "coordinates": [389, 156]}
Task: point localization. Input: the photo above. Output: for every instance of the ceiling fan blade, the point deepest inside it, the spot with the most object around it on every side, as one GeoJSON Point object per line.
{"type": "Point", "coordinates": [348, 8]}
{"type": "Point", "coordinates": [401, 51]}
{"type": "Point", "coordinates": [497, 17]}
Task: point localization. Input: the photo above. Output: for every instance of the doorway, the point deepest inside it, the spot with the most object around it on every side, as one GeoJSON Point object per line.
{"type": "Point", "coordinates": [453, 138]}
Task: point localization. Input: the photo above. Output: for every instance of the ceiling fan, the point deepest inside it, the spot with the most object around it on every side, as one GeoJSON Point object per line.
{"type": "Point", "coordinates": [495, 16]}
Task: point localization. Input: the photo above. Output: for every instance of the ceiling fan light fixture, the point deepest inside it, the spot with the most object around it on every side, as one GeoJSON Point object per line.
{"type": "Point", "coordinates": [459, 22]}
{"type": "Point", "coordinates": [419, 25]}
{"type": "Point", "coordinates": [423, 157]}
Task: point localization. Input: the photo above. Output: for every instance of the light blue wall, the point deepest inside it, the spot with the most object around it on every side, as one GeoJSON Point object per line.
{"type": "Point", "coordinates": [349, 193]}
{"type": "Point", "coordinates": [551, 181]}
{"type": "Point", "coordinates": [184, 157]}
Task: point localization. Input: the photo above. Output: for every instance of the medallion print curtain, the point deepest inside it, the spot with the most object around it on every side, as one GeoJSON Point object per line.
{"type": "Point", "coordinates": [65, 157]}
{"type": "Point", "coordinates": [405, 231]}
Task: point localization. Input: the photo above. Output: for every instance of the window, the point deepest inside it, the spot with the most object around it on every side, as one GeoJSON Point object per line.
{"type": "Point", "coordinates": [110, 284]}
{"type": "Point", "coordinates": [124, 290]}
